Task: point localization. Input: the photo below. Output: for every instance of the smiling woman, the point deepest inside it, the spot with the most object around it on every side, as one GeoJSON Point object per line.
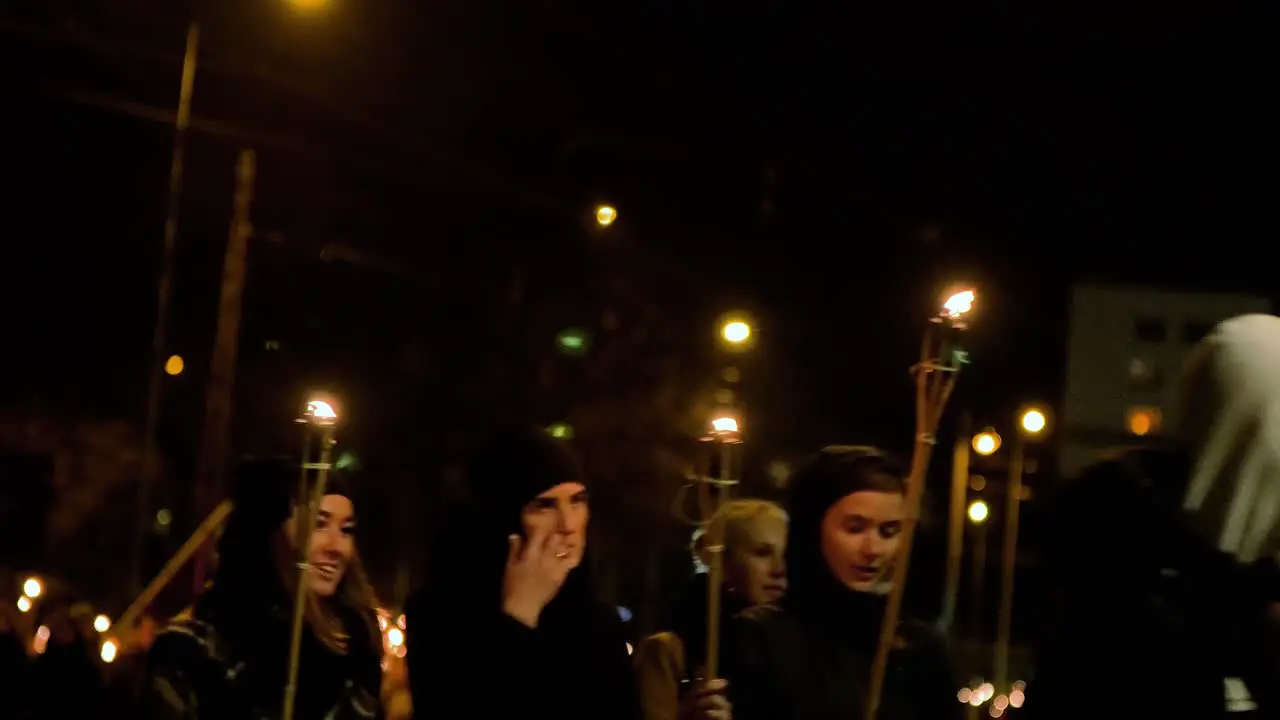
{"type": "Point", "coordinates": [228, 657]}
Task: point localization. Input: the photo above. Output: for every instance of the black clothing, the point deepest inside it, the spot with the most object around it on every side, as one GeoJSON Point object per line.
{"type": "Point", "coordinates": [465, 655]}
{"type": "Point", "coordinates": [790, 664]}
{"type": "Point", "coordinates": [810, 657]}
{"type": "Point", "coordinates": [229, 659]}
{"type": "Point", "coordinates": [220, 666]}
{"type": "Point", "coordinates": [1156, 610]}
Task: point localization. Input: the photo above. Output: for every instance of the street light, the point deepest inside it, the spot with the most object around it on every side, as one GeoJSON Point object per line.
{"type": "Point", "coordinates": [102, 623]}
{"type": "Point", "coordinates": [1032, 424]}
{"type": "Point", "coordinates": [986, 442]}
{"type": "Point", "coordinates": [735, 332]}
{"type": "Point", "coordinates": [24, 604]}
{"type": "Point", "coordinates": [32, 587]}
{"type": "Point", "coordinates": [978, 511]}
{"type": "Point", "coordinates": [605, 215]}
{"type": "Point", "coordinates": [1033, 421]}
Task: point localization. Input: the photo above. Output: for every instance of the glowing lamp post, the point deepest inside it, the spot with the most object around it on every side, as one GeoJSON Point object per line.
{"type": "Point", "coordinates": [606, 215]}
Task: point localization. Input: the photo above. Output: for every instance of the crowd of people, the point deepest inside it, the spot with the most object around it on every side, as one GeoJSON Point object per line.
{"type": "Point", "coordinates": [1164, 566]}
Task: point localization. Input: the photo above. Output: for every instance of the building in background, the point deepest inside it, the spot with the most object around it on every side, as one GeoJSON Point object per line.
{"type": "Point", "coordinates": [1124, 352]}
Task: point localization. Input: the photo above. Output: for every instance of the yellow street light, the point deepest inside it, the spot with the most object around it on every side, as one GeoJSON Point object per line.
{"type": "Point", "coordinates": [958, 304]}
{"type": "Point", "coordinates": [102, 623]}
{"type": "Point", "coordinates": [174, 365]}
{"type": "Point", "coordinates": [24, 604]}
{"type": "Point", "coordinates": [605, 215]}
{"type": "Point", "coordinates": [1033, 421]}
{"type": "Point", "coordinates": [307, 5]}
{"type": "Point", "coordinates": [109, 650]}
{"type": "Point", "coordinates": [735, 332]}
{"type": "Point", "coordinates": [978, 511]}
{"type": "Point", "coordinates": [986, 442]}
{"type": "Point", "coordinates": [32, 587]}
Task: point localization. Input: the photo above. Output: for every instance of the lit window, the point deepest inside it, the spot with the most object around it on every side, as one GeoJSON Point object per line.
{"type": "Point", "coordinates": [1143, 420]}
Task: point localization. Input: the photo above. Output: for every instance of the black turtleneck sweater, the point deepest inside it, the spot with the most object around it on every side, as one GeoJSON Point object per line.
{"type": "Point", "coordinates": [811, 658]}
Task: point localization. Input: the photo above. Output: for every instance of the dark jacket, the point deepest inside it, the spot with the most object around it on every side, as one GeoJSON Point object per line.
{"type": "Point", "coordinates": [228, 660]}
{"type": "Point", "coordinates": [216, 666]}
{"type": "Point", "coordinates": [789, 663]}
{"type": "Point", "coordinates": [465, 655]}
{"type": "Point", "coordinates": [1138, 600]}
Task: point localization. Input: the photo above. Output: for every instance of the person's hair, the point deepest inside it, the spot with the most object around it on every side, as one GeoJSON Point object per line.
{"type": "Point", "coordinates": [733, 521]}
{"type": "Point", "coordinates": [355, 595]}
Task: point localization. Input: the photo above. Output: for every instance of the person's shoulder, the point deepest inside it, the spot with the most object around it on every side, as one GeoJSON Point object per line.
{"type": "Point", "coordinates": [766, 626]}
{"type": "Point", "coordinates": [770, 615]}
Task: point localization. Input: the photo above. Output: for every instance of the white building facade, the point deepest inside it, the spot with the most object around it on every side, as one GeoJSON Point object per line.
{"type": "Point", "coordinates": [1124, 351]}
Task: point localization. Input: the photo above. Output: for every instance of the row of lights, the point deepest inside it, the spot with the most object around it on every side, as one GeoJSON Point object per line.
{"type": "Point", "coordinates": [979, 695]}
{"type": "Point", "coordinates": [32, 589]}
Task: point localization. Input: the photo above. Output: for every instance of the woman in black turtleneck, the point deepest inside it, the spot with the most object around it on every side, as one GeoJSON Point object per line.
{"type": "Point", "coordinates": [507, 626]}
{"type": "Point", "coordinates": [810, 657]}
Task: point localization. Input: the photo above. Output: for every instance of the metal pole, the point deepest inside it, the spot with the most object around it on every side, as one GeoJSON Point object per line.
{"type": "Point", "coordinates": [159, 337]}
{"type": "Point", "coordinates": [1009, 565]}
{"type": "Point", "coordinates": [955, 529]}
{"type": "Point", "coordinates": [979, 579]}
{"type": "Point", "coordinates": [311, 507]}
{"type": "Point", "coordinates": [226, 344]}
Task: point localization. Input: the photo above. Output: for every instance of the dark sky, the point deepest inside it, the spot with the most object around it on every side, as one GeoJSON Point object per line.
{"type": "Point", "coordinates": [827, 166]}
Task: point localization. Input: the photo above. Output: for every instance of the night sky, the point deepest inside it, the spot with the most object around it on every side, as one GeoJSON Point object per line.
{"type": "Point", "coordinates": [828, 170]}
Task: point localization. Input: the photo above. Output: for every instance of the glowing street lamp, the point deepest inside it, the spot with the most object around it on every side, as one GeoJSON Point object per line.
{"type": "Point", "coordinates": [174, 365]}
{"type": "Point", "coordinates": [986, 442]}
{"type": "Point", "coordinates": [1033, 421]}
{"type": "Point", "coordinates": [735, 332]}
{"type": "Point", "coordinates": [605, 215]}
{"type": "Point", "coordinates": [24, 604]}
{"type": "Point", "coordinates": [102, 623]}
{"type": "Point", "coordinates": [32, 587]}
{"type": "Point", "coordinates": [978, 511]}
{"type": "Point", "coordinates": [109, 651]}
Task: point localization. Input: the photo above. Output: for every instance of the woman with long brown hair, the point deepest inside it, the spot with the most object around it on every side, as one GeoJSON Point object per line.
{"type": "Point", "coordinates": [228, 659]}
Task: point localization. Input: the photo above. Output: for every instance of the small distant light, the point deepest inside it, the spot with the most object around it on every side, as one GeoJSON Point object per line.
{"type": "Point", "coordinates": [109, 651]}
{"type": "Point", "coordinates": [630, 649]}
{"type": "Point", "coordinates": [163, 517]}
{"type": "Point", "coordinates": [24, 604]}
{"type": "Point", "coordinates": [624, 613]}
{"type": "Point", "coordinates": [395, 637]}
{"type": "Point", "coordinates": [174, 365]}
{"type": "Point", "coordinates": [102, 623]}
{"type": "Point", "coordinates": [32, 588]}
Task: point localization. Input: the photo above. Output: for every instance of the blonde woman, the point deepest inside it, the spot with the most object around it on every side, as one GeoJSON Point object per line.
{"type": "Point", "coordinates": [668, 664]}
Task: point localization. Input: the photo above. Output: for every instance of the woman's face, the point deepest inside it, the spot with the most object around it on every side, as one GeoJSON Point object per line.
{"type": "Point", "coordinates": [562, 510]}
{"type": "Point", "coordinates": [860, 537]}
{"type": "Point", "coordinates": [333, 544]}
{"type": "Point", "coordinates": [754, 565]}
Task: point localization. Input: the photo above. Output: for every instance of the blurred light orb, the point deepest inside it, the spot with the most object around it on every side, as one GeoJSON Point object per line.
{"type": "Point", "coordinates": [605, 215]}
{"type": "Point", "coordinates": [174, 365]}
{"type": "Point", "coordinates": [1033, 421]}
{"type": "Point", "coordinates": [736, 332]}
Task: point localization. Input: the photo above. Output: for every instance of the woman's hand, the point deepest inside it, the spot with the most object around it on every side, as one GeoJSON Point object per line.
{"type": "Point", "coordinates": [706, 701]}
{"type": "Point", "coordinates": [536, 570]}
